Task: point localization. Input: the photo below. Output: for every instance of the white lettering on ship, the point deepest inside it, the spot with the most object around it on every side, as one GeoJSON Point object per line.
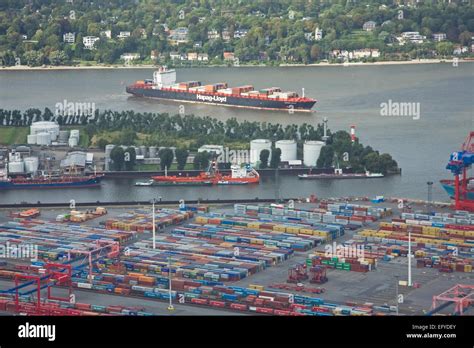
{"type": "Point", "coordinates": [211, 98]}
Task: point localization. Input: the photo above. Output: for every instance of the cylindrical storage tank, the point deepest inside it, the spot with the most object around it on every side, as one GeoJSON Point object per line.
{"type": "Point", "coordinates": [288, 150]}
{"type": "Point", "coordinates": [31, 139]}
{"type": "Point", "coordinates": [108, 150]}
{"type": "Point", "coordinates": [31, 164]}
{"type": "Point", "coordinates": [143, 151]}
{"type": "Point", "coordinates": [138, 152]}
{"type": "Point", "coordinates": [43, 138]}
{"type": "Point", "coordinates": [45, 127]}
{"type": "Point", "coordinates": [16, 167]}
{"type": "Point", "coordinates": [73, 141]}
{"type": "Point", "coordinates": [311, 151]}
{"type": "Point", "coordinates": [153, 152]}
{"type": "Point", "coordinates": [54, 135]}
{"type": "Point", "coordinates": [256, 147]}
{"type": "Point", "coordinates": [63, 136]}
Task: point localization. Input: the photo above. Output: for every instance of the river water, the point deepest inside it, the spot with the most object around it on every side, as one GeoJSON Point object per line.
{"type": "Point", "coordinates": [346, 96]}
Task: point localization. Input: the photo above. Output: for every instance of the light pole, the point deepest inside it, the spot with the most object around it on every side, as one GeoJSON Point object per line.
{"type": "Point", "coordinates": [170, 307]}
{"type": "Point", "coordinates": [409, 257]}
{"type": "Point", "coordinates": [430, 194]}
{"type": "Point", "coordinates": [153, 201]}
{"type": "Point", "coordinates": [397, 277]}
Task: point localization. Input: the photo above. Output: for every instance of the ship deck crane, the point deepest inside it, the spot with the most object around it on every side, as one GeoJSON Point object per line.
{"type": "Point", "coordinates": [459, 163]}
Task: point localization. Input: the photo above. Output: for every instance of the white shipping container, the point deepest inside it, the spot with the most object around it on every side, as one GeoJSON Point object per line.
{"type": "Point", "coordinates": [84, 285]}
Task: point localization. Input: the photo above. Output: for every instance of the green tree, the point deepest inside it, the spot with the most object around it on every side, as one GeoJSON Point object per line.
{"type": "Point", "coordinates": [8, 59]}
{"type": "Point", "coordinates": [445, 48]}
{"type": "Point", "coordinates": [181, 158]}
{"type": "Point", "coordinates": [276, 158]}
{"type": "Point", "coordinates": [101, 143]}
{"type": "Point", "coordinates": [326, 157]}
{"type": "Point", "coordinates": [201, 160]}
{"type": "Point", "coordinates": [264, 155]}
{"type": "Point", "coordinates": [166, 158]}
{"type": "Point", "coordinates": [127, 137]}
{"type": "Point", "coordinates": [118, 158]}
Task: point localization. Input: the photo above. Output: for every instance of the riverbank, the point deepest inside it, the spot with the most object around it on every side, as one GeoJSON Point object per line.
{"type": "Point", "coordinates": [151, 66]}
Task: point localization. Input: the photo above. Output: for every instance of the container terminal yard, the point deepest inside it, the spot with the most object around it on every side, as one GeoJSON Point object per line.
{"type": "Point", "coordinates": [324, 258]}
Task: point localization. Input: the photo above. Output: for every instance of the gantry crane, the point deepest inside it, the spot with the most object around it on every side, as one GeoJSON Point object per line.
{"type": "Point", "coordinates": [459, 163]}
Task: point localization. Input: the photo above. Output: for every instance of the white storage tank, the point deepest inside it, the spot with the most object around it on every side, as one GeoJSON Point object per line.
{"type": "Point", "coordinates": [153, 151]}
{"type": "Point", "coordinates": [43, 138]}
{"type": "Point", "coordinates": [31, 164]}
{"type": "Point", "coordinates": [16, 167]}
{"type": "Point", "coordinates": [31, 139]}
{"type": "Point", "coordinates": [108, 150]}
{"type": "Point", "coordinates": [143, 151]}
{"type": "Point", "coordinates": [45, 127]}
{"type": "Point", "coordinates": [74, 133]}
{"type": "Point", "coordinates": [63, 136]}
{"type": "Point", "coordinates": [73, 141]}
{"type": "Point", "coordinates": [256, 147]}
{"type": "Point", "coordinates": [311, 151]}
{"type": "Point", "coordinates": [288, 150]}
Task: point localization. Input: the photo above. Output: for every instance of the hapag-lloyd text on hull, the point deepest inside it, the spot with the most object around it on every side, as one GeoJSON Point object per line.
{"type": "Point", "coordinates": [211, 98]}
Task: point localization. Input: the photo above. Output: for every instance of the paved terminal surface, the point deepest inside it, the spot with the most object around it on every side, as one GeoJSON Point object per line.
{"type": "Point", "coordinates": [378, 286]}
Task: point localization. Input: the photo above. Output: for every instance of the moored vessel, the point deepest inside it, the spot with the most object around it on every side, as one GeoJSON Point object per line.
{"type": "Point", "coordinates": [338, 174]}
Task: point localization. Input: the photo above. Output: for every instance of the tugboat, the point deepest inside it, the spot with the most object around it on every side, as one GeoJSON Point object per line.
{"type": "Point", "coordinates": [240, 176]}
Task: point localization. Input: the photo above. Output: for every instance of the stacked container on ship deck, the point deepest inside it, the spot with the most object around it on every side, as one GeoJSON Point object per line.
{"type": "Point", "coordinates": [242, 89]}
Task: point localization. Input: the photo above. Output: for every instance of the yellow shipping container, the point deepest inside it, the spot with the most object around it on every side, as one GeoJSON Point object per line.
{"type": "Point", "coordinates": [307, 231]}
{"type": "Point", "coordinates": [292, 229]}
{"type": "Point", "coordinates": [279, 228]}
{"type": "Point", "coordinates": [255, 225]}
{"type": "Point", "coordinates": [256, 241]}
{"type": "Point", "coordinates": [469, 233]}
{"type": "Point", "coordinates": [201, 220]}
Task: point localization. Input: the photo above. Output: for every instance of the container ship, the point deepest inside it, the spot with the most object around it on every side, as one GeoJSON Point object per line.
{"type": "Point", "coordinates": [238, 176]}
{"type": "Point", "coordinates": [164, 86]}
{"type": "Point", "coordinates": [448, 186]}
{"type": "Point", "coordinates": [63, 181]}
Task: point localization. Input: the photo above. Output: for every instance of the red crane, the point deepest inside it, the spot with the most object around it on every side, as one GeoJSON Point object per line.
{"type": "Point", "coordinates": [459, 163]}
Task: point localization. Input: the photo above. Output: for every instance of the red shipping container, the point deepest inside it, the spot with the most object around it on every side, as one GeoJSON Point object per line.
{"type": "Point", "coordinates": [200, 301]}
{"type": "Point", "coordinates": [217, 304]}
{"type": "Point", "coordinates": [240, 307]}
{"type": "Point", "coordinates": [280, 312]}
{"type": "Point", "coordinates": [264, 310]}
{"type": "Point", "coordinates": [3, 305]}
{"type": "Point", "coordinates": [83, 306]}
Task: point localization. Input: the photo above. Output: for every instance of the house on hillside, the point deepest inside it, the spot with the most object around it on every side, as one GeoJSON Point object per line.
{"type": "Point", "coordinates": [369, 26]}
